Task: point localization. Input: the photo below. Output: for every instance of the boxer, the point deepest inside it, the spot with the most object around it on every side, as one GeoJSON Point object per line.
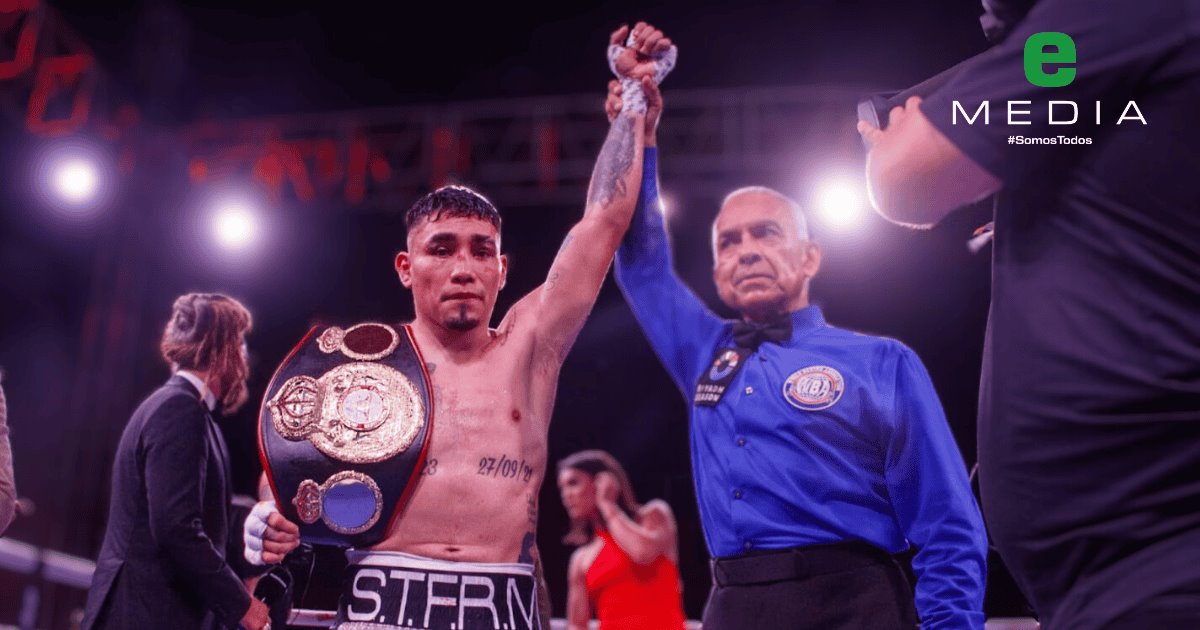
{"type": "Point", "coordinates": [461, 554]}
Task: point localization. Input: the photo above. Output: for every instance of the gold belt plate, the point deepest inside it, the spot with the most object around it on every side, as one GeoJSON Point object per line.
{"type": "Point", "coordinates": [358, 413]}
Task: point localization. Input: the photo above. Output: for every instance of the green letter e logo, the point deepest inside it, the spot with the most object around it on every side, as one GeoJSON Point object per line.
{"type": "Point", "coordinates": [1036, 57]}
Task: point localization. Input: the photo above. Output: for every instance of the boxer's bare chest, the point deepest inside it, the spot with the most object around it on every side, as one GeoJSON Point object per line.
{"type": "Point", "coordinates": [476, 498]}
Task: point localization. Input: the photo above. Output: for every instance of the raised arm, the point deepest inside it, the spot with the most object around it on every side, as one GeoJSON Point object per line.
{"type": "Point", "coordinates": [643, 540]}
{"type": "Point", "coordinates": [675, 321]}
{"type": "Point", "coordinates": [562, 303]}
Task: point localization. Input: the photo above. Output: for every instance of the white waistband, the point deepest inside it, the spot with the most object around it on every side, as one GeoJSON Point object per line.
{"type": "Point", "coordinates": [401, 560]}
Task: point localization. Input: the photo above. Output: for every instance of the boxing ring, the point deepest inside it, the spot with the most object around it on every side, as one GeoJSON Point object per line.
{"type": "Point", "coordinates": [47, 565]}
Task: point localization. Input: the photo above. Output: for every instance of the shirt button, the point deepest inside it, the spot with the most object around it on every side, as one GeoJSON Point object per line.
{"type": "Point", "coordinates": [737, 494]}
{"type": "Point", "coordinates": [749, 390]}
{"type": "Point", "coordinates": [747, 545]}
{"type": "Point", "coordinates": [741, 441]}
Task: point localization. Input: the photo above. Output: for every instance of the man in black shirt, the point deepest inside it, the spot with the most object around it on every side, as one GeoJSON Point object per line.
{"type": "Point", "coordinates": [1089, 412]}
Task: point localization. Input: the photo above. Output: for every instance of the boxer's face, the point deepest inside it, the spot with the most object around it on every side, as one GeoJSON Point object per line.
{"type": "Point", "coordinates": [578, 493]}
{"type": "Point", "coordinates": [454, 268]}
{"type": "Point", "coordinates": [761, 263]}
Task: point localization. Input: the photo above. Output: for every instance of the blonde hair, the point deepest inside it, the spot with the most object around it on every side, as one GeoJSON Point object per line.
{"type": "Point", "coordinates": [205, 332]}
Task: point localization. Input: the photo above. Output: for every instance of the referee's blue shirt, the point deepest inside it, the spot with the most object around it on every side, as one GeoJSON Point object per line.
{"type": "Point", "coordinates": [867, 456]}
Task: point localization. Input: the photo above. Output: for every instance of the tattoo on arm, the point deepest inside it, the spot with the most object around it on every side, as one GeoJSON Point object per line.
{"type": "Point", "coordinates": [505, 467]}
{"type": "Point", "coordinates": [616, 158]}
{"type": "Point", "coordinates": [552, 281]}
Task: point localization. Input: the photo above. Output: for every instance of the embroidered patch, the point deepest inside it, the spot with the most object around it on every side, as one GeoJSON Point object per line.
{"type": "Point", "coordinates": [714, 382]}
{"type": "Point", "coordinates": [725, 365]}
{"type": "Point", "coordinates": [814, 388]}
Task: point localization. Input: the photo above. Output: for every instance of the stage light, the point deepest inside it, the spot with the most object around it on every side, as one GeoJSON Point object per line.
{"type": "Point", "coordinates": [72, 177]}
{"type": "Point", "coordinates": [841, 202]}
{"type": "Point", "coordinates": [235, 225]}
{"type": "Point", "coordinates": [76, 180]}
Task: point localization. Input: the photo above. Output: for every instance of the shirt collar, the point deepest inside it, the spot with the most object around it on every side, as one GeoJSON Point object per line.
{"type": "Point", "coordinates": [210, 399]}
{"type": "Point", "coordinates": [807, 319]}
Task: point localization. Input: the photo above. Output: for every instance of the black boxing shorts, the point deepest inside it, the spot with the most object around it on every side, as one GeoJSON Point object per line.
{"type": "Point", "coordinates": [399, 591]}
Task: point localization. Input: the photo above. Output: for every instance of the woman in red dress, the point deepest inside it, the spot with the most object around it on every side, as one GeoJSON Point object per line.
{"type": "Point", "coordinates": [626, 568]}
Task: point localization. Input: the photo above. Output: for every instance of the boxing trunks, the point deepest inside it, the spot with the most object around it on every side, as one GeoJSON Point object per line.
{"type": "Point", "coordinates": [399, 591]}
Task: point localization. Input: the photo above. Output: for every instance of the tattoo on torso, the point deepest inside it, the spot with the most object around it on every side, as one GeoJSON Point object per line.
{"type": "Point", "coordinates": [526, 556]}
{"type": "Point", "coordinates": [429, 468]}
{"type": "Point", "coordinates": [505, 467]}
{"type": "Point", "coordinates": [530, 539]}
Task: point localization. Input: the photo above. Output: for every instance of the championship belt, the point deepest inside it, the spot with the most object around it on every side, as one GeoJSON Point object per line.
{"type": "Point", "coordinates": [343, 430]}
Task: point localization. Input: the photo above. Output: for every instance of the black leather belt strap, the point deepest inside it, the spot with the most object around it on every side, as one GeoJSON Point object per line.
{"type": "Point", "coordinates": [796, 563]}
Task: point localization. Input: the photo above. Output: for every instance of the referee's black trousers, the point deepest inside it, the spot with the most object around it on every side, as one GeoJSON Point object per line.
{"type": "Point", "coordinates": [846, 586]}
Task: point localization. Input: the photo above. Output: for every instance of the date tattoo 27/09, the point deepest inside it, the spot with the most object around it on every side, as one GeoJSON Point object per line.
{"type": "Point", "coordinates": [505, 467]}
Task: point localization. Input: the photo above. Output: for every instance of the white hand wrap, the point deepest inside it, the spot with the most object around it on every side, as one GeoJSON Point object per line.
{"type": "Point", "coordinates": [632, 98]}
{"type": "Point", "coordinates": [254, 529]}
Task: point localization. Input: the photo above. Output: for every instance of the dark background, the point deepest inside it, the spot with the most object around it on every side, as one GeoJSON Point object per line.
{"type": "Point", "coordinates": [67, 289]}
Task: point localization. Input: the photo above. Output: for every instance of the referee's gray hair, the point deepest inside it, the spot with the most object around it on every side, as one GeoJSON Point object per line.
{"type": "Point", "coordinates": [788, 202]}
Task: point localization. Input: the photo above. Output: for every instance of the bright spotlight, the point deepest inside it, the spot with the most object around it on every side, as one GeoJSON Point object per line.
{"type": "Point", "coordinates": [235, 226]}
{"type": "Point", "coordinates": [72, 177]}
{"type": "Point", "coordinates": [842, 203]}
{"type": "Point", "coordinates": [76, 180]}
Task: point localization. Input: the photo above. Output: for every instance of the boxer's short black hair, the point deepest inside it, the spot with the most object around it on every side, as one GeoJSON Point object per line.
{"type": "Point", "coordinates": [452, 201]}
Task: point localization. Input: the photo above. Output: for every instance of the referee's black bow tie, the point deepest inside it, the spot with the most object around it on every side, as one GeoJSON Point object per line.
{"type": "Point", "coordinates": [751, 334]}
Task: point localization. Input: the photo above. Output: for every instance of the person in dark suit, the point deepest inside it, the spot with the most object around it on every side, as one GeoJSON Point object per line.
{"type": "Point", "coordinates": [163, 562]}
